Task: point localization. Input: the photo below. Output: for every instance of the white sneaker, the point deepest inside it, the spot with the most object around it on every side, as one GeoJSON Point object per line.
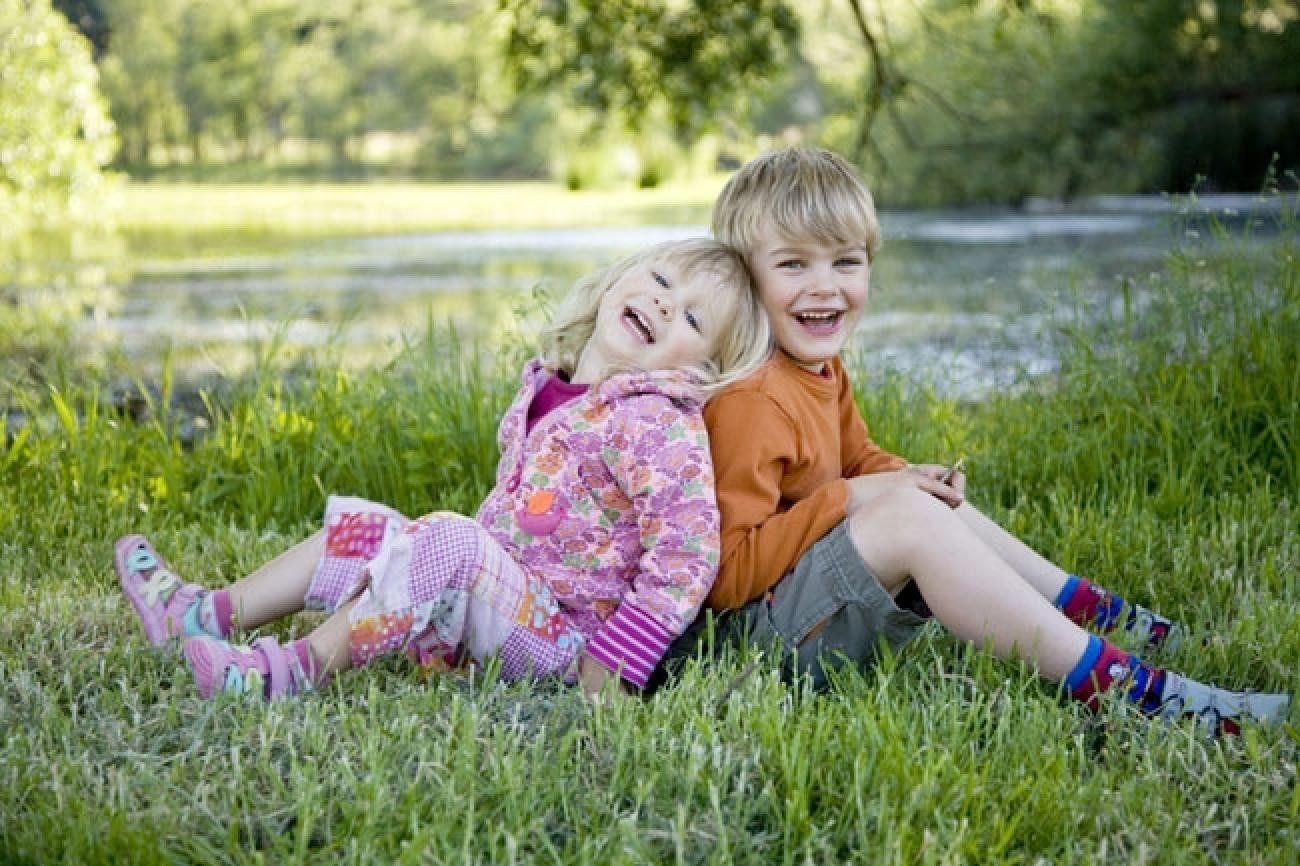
{"type": "Point", "coordinates": [1219, 711]}
{"type": "Point", "coordinates": [1155, 631]}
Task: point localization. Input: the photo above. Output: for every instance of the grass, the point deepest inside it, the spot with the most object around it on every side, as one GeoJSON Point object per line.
{"type": "Point", "coordinates": [165, 214]}
{"type": "Point", "coordinates": [1163, 461]}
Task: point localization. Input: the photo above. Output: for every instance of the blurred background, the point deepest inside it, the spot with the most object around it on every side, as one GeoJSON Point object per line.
{"type": "Point", "coordinates": [196, 179]}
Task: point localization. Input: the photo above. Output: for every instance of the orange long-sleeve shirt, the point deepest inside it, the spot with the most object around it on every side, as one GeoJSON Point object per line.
{"type": "Point", "coordinates": [783, 440]}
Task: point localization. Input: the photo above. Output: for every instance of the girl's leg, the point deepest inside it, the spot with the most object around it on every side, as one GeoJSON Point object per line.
{"type": "Point", "coordinates": [330, 644]}
{"type": "Point", "coordinates": [266, 668]}
{"type": "Point", "coordinates": [169, 608]}
{"type": "Point", "coordinates": [279, 587]}
{"type": "Point", "coordinates": [978, 596]}
{"type": "Point", "coordinates": [440, 585]}
{"type": "Point", "coordinates": [166, 606]}
{"type": "Point", "coordinates": [1083, 602]}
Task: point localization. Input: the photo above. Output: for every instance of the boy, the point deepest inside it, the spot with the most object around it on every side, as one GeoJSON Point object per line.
{"type": "Point", "coordinates": [830, 544]}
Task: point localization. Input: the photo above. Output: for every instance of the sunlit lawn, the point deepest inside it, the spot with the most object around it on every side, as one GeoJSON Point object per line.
{"type": "Point", "coordinates": [1164, 461]}
{"type": "Point", "coordinates": [373, 208]}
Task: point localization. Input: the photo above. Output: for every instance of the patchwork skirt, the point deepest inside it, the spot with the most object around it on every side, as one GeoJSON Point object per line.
{"type": "Point", "coordinates": [441, 589]}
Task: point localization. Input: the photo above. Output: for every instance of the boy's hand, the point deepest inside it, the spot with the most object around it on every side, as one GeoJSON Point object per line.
{"type": "Point", "coordinates": [949, 482]}
{"type": "Point", "coordinates": [927, 477]}
{"type": "Point", "coordinates": [598, 681]}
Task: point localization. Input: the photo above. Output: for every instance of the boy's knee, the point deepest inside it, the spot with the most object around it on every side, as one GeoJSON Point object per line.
{"type": "Point", "coordinates": [904, 509]}
{"type": "Point", "coordinates": [899, 521]}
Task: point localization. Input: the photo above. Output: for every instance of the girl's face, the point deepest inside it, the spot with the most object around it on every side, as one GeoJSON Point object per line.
{"type": "Point", "coordinates": [656, 318]}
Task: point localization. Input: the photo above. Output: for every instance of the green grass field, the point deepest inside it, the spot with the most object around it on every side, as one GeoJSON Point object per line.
{"type": "Point", "coordinates": [1164, 462]}
{"type": "Point", "coordinates": [166, 213]}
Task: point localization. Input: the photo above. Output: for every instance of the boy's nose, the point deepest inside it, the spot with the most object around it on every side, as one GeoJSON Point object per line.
{"type": "Point", "coordinates": [665, 307]}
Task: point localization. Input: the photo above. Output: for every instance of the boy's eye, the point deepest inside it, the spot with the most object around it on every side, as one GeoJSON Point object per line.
{"type": "Point", "coordinates": [660, 279]}
{"type": "Point", "coordinates": [693, 322]}
{"type": "Point", "coordinates": [790, 264]}
{"type": "Point", "coordinates": [849, 262]}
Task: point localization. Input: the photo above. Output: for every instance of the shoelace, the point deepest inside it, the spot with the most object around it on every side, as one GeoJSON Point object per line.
{"type": "Point", "coordinates": [162, 585]}
{"type": "Point", "coordinates": [1209, 718]}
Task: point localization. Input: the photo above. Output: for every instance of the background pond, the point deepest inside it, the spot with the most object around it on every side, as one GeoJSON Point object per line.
{"type": "Point", "coordinates": [966, 301]}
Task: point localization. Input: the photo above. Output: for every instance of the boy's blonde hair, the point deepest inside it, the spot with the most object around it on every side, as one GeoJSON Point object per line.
{"type": "Point", "coordinates": [806, 193]}
{"type": "Point", "coordinates": [743, 342]}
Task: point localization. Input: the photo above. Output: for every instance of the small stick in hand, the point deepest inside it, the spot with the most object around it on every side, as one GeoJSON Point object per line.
{"type": "Point", "coordinates": [947, 477]}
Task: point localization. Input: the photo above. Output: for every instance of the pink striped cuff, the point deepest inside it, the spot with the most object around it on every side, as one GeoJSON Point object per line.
{"type": "Point", "coordinates": [631, 643]}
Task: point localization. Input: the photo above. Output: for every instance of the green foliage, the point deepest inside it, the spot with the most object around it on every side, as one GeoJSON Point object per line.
{"type": "Point", "coordinates": [56, 203]}
{"type": "Point", "coordinates": [941, 102]}
{"type": "Point", "coordinates": [697, 62]}
{"type": "Point", "coordinates": [333, 82]}
{"type": "Point", "coordinates": [55, 133]}
{"type": "Point", "coordinates": [1214, 86]}
{"type": "Point", "coordinates": [950, 102]}
{"type": "Point", "coordinates": [1197, 381]}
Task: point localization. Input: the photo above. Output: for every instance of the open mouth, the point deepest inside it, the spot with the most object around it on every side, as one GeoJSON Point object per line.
{"type": "Point", "coordinates": [819, 321]}
{"type": "Point", "coordinates": [638, 324]}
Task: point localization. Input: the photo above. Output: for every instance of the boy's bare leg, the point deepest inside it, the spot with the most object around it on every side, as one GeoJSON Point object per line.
{"type": "Point", "coordinates": [1036, 570]}
{"type": "Point", "coordinates": [1086, 603]}
{"type": "Point", "coordinates": [277, 588]}
{"type": "Point", "coordinates": [972, 590]}
{"type": "Point", "coordinates": [976, 595]}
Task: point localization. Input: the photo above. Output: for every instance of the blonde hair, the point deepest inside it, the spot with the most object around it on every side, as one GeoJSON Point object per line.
{"type": "Point", "coordinates": [742, 343]}
{"type": "Point", "coordinates": [806, 194]}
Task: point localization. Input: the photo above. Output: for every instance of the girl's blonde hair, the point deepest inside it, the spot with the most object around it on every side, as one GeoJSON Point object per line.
{"type": "Point", "coordinates": [743, 342]}
{"type": "Point", "coordinates": [806, 193]}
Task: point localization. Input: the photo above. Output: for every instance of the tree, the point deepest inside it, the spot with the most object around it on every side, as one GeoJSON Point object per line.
{"type": "Point", "coordinates": [1214, 86]}
{"type": "Point", "coordinates": [698, 63]}
{"type": "Point", "coordinates": [55, 132]}
{"type": "Point", "coordinates": [139, 62]}
{"type": "Point", "coordinates": [88, 16]}
{"type": "Point", "coordinates": [951, 100]}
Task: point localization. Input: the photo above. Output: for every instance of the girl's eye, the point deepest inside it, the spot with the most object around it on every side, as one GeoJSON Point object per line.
{"type": "Point", "coordinates": [693, 322]}
{"type": "Point", "coordinates": [790, 264]}
{"type": "Point", "coordinates": [659, 278]}
{"type": "Point", "coordinates": [849, 262]}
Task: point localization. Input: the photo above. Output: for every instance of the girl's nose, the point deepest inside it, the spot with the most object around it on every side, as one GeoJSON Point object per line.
{"type": "Point", "coordinates": [821, 282]}
{"type": "Point", "coordinates": [665, 307]}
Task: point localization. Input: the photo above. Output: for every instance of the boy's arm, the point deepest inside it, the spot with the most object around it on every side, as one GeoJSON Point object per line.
{"type": "Point", "coordinates": [659, 455]}
{"type": "Point", "coordinates": [754, 443]}
{"type": "Point", "coordinates": [859, 454]}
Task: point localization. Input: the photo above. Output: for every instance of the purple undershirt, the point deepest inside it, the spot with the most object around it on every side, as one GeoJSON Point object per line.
{"type": "Point", "coordinates": [553, 394]}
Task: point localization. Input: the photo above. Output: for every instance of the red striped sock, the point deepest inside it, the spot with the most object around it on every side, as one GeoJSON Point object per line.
{"type": "Point", "coordinates": [1087, 604]}
{"type": "Point", "coordinates": [1103, 666]}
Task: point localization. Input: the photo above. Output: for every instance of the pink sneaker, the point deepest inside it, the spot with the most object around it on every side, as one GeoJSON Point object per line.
{"type": "Point", "coordinates": [162, 602]}
{"type": "Point", "coordinates": [261, 670]}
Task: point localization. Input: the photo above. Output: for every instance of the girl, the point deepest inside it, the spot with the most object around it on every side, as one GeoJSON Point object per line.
{"type": "Point", "coordinates": [593, 551]}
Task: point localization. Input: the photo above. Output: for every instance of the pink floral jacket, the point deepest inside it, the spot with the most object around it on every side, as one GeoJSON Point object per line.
{"type": "Point", "coordinates": [610, 499]}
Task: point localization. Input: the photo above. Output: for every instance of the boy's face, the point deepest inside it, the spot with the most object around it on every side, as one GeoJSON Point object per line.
{"type": "Point", "coordinates": [813, 292]}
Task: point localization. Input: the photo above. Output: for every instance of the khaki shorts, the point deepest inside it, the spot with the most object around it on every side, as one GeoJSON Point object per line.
{"type": "Point", "coordinates": [827, 612]}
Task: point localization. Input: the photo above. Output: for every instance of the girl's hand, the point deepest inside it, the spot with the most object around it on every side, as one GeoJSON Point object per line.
{"type": "Point", "coordinates": [926, 476]}
{"type": "Point", "coordinates": [598, 681]}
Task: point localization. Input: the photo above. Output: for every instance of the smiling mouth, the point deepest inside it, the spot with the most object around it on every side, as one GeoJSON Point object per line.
{"type": "Point", "coordinates": [639, 324]}
{"type": "Point", "coordinates": [819, 321]}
